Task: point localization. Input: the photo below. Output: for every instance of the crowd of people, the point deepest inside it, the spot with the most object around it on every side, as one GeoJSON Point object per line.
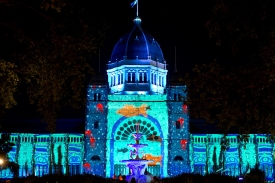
{"type": "Point", "coordinates": [122, 179]}
{"type": "Point", "coordinates": [88, 178]}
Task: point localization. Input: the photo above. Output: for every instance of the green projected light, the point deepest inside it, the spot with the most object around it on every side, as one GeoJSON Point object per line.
{"type": "Point", "coordinates": [38, 154]}
{"type": "Point", "coordinates": [123, 112]}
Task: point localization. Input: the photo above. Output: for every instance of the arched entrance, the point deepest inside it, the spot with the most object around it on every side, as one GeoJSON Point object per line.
{"type": "Point", "coordinates": [122, 135]}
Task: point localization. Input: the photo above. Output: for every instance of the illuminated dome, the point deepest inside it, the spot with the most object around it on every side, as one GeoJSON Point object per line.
{"type": "Point", "coordinates": [137, 44]}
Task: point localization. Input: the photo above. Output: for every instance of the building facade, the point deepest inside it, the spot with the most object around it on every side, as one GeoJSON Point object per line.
{"type": "Point", "coordinates": [137, 91]}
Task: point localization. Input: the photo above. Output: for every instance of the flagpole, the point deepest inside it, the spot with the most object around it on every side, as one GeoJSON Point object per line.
{"type": "Point", "coordinates": [137, 8]}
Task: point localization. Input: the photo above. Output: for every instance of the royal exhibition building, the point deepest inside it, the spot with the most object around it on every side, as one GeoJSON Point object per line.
{"type": "Point", "coordinates": [134, 95]}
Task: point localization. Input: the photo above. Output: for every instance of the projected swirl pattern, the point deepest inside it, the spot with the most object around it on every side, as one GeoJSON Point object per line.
{"type": "Point", "coordinates": [125, 130]}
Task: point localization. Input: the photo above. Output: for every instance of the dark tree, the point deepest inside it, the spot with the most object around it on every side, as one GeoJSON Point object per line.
{"type": "Point", "coordinates": [5, 148]}
{"type": "Point", "coordinates": [238, 95]}
{"type": "Point", "coordinates": [45, 52]}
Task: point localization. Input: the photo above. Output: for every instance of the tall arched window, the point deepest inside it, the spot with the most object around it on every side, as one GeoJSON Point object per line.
{"type": "Point", "coordinates": [140, 77]}
{"type": "Point", "coordinates": [155, 79]}
{"type": "Point", "coordinates": [118, 79]}
{"type": "Point", "coordinates": [133, 77]}
{"type": "Point", "coordinates": [145, 77]}
{"type": "Point", "coordinates": [152, 78]}
{"type": "Point", "coordinates": [129, 77]}
{"type": "Point", "coordinates": [122, 79]}
{"type": "Point", "coordinates": [177, 124]}
{"type": "Point", "coordinates": [99, 96]}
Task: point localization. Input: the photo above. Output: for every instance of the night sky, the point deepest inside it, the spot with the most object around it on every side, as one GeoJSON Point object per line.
{"type": "Point", "coordinates": [172, 24]}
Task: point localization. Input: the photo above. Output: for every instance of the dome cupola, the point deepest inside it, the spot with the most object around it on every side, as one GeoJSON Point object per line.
{"type": "Point", "coordinates": [137, 44]}
{"type": "Point", "coordinates": [137, 65]}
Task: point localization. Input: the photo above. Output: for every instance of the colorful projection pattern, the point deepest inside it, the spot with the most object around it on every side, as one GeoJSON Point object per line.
{"type": "Point", "coordinates": [123, 112]}
{"type": "Point", "coordinates": [100, 107]}
{"type": "Point", "coordinates": [183, 144]}
{"type": "Point", "coordinates": [36, 153]}
{"type": "Point", "coordinates": [92, 139]}
{"type": "Point", "coordinates": [185, 108]}
{"type": "Point", "coordinates": [130, 110]}
{"type": "Point", "coordinates": [87, 167]}
{"type": "Point", "coordinates": [258, 149]}
{"type": "Point", "coordinates": [155, 159]}
{"type": "Point", "coordinates": [124, 136]}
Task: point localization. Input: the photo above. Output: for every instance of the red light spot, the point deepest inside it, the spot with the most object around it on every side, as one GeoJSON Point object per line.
{"type": "Point", "coordinates": [88, 133]}
{"type": "Point", "coordinates": [185, 108]}
{"type": "Point", "coordinates": [181, 120]}
{"type": "Point", "coordinates": [92, 142]}
{"type": "Point", "coordinates": [183, 143]}
{"type": "Point", "coordinates": [100, 107]}
{"type": "Point", "coordinates": [94, 87]}
{"type": "Point", "coordinates": [87, 166]}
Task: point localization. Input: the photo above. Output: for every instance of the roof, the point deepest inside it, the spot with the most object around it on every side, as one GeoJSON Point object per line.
{"type": "Point", "coordinates": [137, 44]}
{"type": "Point", "coordinates": [37, 126]}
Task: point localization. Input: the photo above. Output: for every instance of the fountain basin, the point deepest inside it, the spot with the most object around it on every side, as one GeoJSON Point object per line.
{"type": "Point", "coordinates": [137, 146]}
{"type": "Point", "coordinates": [137, 167]}
{"type": "Point", "coordinates": [136, 161]}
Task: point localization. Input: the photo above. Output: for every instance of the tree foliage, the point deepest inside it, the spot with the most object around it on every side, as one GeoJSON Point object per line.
{"type": "Point", "coordinates": [46, 47]}
{"type": "Point", "coordinates": [5, 148]}
{"type": "Point", "coordinates": [239, 99]}
{"type": "Point", "coordinates": [239, 94]}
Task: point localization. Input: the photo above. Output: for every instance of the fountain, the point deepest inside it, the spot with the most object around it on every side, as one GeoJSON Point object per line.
{"type": "Point", "coordinates": [136, 164]}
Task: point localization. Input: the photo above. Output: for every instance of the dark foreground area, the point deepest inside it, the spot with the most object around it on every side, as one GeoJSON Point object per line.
{"type": "Point", "coordinates": [183, 178]}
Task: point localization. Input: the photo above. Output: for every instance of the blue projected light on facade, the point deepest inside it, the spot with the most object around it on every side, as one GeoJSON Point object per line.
{"type": "Point", "coordinates": [137, 91]}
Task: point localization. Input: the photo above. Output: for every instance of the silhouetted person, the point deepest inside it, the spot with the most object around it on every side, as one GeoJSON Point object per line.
{"type": "Point", "coordinates": [123, 179]}
{"type": "Point", "coordinates": [155, 180]}
{"type": "Point", "coordinates": [133, 180]}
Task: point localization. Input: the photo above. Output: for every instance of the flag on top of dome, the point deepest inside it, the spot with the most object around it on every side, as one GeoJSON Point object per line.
{"type": "Point", "coordinates": [134, 3]}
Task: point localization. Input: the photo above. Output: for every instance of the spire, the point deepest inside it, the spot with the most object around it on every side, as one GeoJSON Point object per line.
{"type": "Point", "coordinates": [137, 20]}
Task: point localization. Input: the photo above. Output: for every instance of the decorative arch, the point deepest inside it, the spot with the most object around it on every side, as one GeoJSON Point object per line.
{"type": "Point", "coordinates": [126, 128]}
{"type": "Point", "coordinates": [118, 122]}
